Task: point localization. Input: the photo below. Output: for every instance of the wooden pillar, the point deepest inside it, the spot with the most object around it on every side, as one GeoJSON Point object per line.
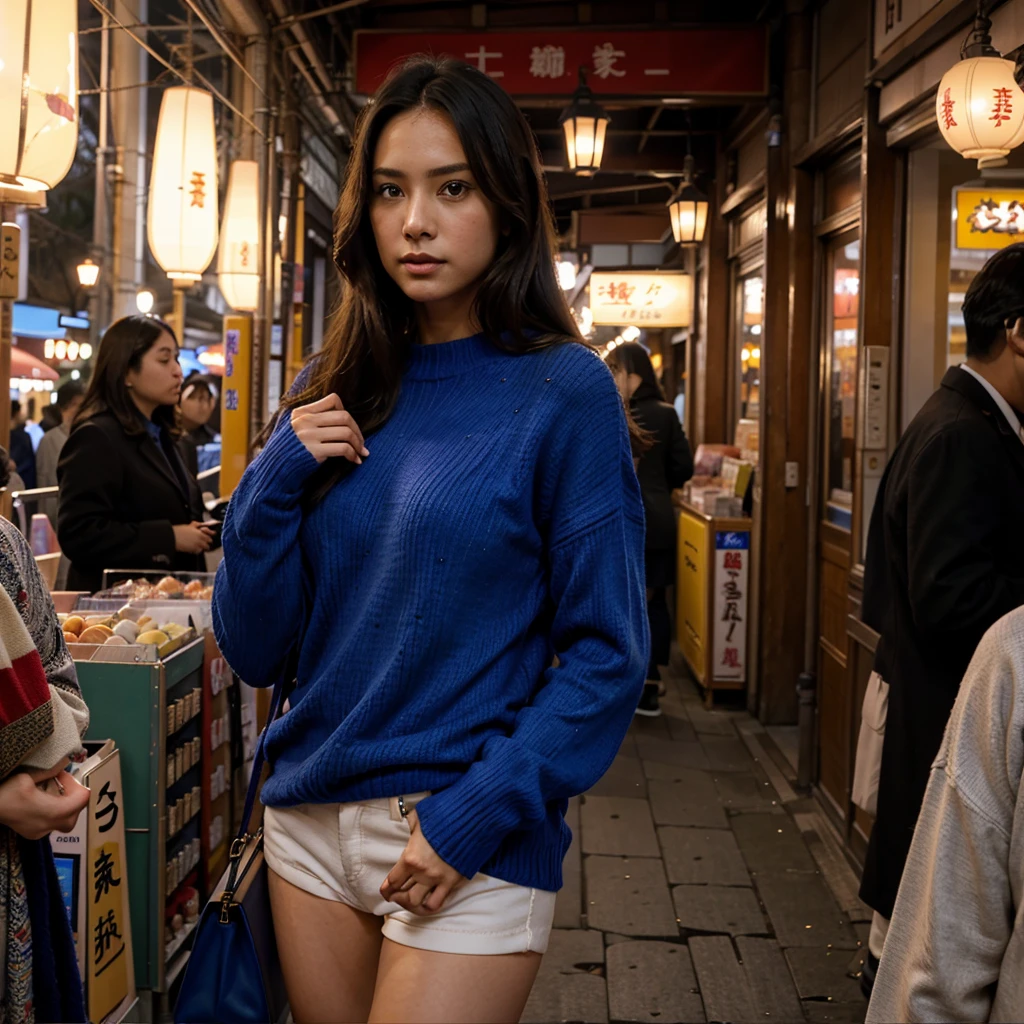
{"type": "Point", "coordinates": [879, 267]}
{"type": "Point", "coordinates": [786, 367]}
{"type": "Point", "coordinates": [709, 388]}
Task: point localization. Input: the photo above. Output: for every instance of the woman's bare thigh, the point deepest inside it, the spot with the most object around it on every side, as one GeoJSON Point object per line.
{"type": "Point", "coordinates": [329, 953]}
{"type": "Point", "coordinates": [417, 986]}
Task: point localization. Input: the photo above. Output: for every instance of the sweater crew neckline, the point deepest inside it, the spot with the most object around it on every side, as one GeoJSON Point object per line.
{"type": "Point", "coordinates": [450, 358]}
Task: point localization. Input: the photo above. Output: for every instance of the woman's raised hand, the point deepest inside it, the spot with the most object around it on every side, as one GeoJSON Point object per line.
{"type": "Point", "coordinates": [328, 431]}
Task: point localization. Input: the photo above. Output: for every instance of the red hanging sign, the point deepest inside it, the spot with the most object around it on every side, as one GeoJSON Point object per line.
{"type": "Point", "coordinates": [545, 62]}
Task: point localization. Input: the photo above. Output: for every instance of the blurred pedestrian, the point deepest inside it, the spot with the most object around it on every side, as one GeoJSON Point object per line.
{"type": "Point", "coordinates": [51, 417]}
{"type": "Point", "coordinates": [943, 559]}
{"type": "Point", "coordinates": [666, 465]}
{"type": "Point", "coordinates": [127, 500]}
{"type": "Point", "coordinates": [955, 949]}
{"type": "Point", "coordinates": [69, 400]}
{"type": "Point", "coordinates": [198, 400]}
{"type": "Point", "coordinates": [22, 450]}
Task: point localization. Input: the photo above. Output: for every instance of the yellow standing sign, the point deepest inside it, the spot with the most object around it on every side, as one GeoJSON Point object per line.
{"type": "Point", "coordinates": [235, 399]}
{"type": "Point", "coordinates": [691, 592]}
{"type": "Point", "coordinates": [110, 975]}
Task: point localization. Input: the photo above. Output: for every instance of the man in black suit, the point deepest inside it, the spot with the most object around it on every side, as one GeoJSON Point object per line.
{"type": "Point", "coordinates": [945, 558]}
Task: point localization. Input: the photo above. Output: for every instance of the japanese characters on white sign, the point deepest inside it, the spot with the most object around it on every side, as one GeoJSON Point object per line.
{"type": "Point", "coordinates": [646, 299]}
{"type": "Point", "coordinates": [732, 568]}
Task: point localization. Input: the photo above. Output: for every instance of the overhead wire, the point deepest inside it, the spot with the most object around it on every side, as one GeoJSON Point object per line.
{"type": "Point", "coordinates": [103, 9]}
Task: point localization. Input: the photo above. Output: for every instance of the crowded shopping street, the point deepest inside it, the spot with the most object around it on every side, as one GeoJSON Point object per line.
{"type": "Point", "coordinates": [508, 511]}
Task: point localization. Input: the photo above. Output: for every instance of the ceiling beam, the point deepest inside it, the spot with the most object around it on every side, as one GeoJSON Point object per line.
{"type": "Point", "coordinates": [596, 228]}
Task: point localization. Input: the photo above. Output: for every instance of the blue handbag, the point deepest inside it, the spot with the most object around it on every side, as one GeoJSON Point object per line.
{"type": "Point", "coordinates": [234, 974]}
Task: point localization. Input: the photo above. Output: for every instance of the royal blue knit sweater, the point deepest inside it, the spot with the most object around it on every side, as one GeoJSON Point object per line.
{"type": "Point", "coordinates": [496, 525]}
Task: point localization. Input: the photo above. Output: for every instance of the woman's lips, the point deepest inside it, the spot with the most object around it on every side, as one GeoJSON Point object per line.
{"type": "Point", "coordinates": [422, 269]}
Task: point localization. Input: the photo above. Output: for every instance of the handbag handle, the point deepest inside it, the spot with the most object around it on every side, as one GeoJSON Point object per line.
{"type": "Point", "coordinates": [276, 700]}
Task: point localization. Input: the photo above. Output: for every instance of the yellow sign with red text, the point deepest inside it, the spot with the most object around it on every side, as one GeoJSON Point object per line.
{"type": "Point", "coordinates": [988, 219]}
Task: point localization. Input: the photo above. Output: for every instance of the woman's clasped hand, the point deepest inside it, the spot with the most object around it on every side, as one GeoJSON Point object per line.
{"type": "Point", "coordinates": [36, 803]}
{"type": "Point", "coordinates": [328, 431]}
{"type": "Point", "coordinates": [421, 881]}
{"type": "Point", "coordinates": [192, 538]}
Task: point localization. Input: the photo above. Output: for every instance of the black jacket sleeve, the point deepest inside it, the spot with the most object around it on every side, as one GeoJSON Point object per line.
{"type": "Point", "coordinates": [91, 476]}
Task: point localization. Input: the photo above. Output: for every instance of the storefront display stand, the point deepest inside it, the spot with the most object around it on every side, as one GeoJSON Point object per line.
{"type": "Point", "coordinates": [713, 574]}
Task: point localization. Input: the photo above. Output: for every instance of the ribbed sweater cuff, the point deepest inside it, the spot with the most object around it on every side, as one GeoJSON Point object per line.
{"type": "Point", "coordinates": [467, 822]}
{"type": "Point", "coordinates": [285, 464]}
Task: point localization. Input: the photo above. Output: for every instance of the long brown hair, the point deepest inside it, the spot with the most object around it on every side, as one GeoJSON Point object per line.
{"type": "Point", "coordinates": [519, 304]}
{"type": "Point", "coordinates": [122, 347]}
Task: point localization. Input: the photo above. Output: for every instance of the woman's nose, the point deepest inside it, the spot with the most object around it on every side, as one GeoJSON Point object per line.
{"type": "Point", "coordinates": [418, 221]}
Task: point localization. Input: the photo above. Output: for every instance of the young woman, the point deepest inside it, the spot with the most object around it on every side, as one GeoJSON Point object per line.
{"type": "Point", "coordinates": [445, 529]}
{"type": "Point", "coordinates": [126, 499]}
{"type": "Point", "coordinates": [667, 464]}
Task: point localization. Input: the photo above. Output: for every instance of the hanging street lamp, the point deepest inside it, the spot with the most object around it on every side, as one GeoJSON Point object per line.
{"type": "Point", "coordinates": [585, 124]}
{"type": "Point", "coordinates": [979, 106]}
{"type": "Point", "coordinates": [38, 93]}
{"type": "Point", "coordinates": [238, 262]}
{"type": "Point", "coordinates": [688, 209]}
{"type": "Point", "coordinates": [88, 273]}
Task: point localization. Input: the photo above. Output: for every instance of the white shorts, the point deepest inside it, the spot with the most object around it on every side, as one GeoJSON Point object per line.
{"type": "Point", "coordinates": [343, 852]}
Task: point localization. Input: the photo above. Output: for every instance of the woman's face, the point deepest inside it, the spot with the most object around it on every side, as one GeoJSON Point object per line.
{"type": "Point", "coordinates": [436, 232]}
{"type": "Point", "coordinates": [197, 408]}
{"type": "Point", "coordinates": [157, 381]}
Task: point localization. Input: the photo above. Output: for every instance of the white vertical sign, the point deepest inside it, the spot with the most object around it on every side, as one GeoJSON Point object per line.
{"type": "Point", "coordinates": [732, 570]}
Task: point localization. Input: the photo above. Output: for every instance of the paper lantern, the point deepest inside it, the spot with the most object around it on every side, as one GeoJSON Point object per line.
{"type": "Point", "coordinates": [584, 124]}
{"type": "Point", "coordinates": [183, 210]}
{"type": "Point", "coordinates": [38, 92]}
{"type": "Point", "coordinates": [979, 106]}
{"type": "Point", "coordinates": [688, 209]}
{"type": "Point", "coordinates": [238, 263]}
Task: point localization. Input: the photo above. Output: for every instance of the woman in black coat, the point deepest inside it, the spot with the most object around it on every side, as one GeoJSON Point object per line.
{"type": "Point", "coordinates": [127, 500]}
{"type": "Point", "coordinates": [666, 465]}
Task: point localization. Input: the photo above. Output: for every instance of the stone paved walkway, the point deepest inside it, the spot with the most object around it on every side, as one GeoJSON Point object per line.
{"type": "Point", "coordinates": [701, 887]}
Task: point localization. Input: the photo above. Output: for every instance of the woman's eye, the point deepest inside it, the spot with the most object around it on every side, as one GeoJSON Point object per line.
{"type": "Point", "coordinates": [455, 189]}
{"type": "Point", "coordinates": [389, 191]}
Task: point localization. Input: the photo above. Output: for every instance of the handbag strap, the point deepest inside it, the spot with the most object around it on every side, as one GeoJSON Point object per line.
{"type": "Point", "coordinates": [276, 700]}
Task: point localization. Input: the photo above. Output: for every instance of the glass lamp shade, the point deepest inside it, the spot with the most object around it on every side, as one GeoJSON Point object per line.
{"type": "Point", "coordinates": [38, 92]}
{"type": "Point", "coordinates": [238, 262]}
{"type": "Point", "coordinates": [182, 219]}
{"type": "Point", "coordinates": [688, 209]}
{"type": "Point", "coordinates": [584, 143]}
{"type": "Point", "coordinates": [585, 125]}
{"type": "Point", "coordinates": [88, 273]}
{"type": "Point", "coordinates": [980, 109]}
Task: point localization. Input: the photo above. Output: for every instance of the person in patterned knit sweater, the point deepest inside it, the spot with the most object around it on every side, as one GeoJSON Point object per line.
{"type": "Point", "coordinates": [42, 720]}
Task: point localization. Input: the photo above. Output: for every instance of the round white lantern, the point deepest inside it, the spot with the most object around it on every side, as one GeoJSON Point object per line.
{"type": "Point", "coordinates": [238, 263]}
{"type": "Point", "coordinates": [183, 208]}
{"type": "Point", "coordinates": [979, 106]}
{"type": "Point", "coordinates": [38, 92]}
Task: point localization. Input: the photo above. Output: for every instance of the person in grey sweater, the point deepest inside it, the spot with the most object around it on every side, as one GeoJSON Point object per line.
{"type": "Point", "coordinates": [955, 948]}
